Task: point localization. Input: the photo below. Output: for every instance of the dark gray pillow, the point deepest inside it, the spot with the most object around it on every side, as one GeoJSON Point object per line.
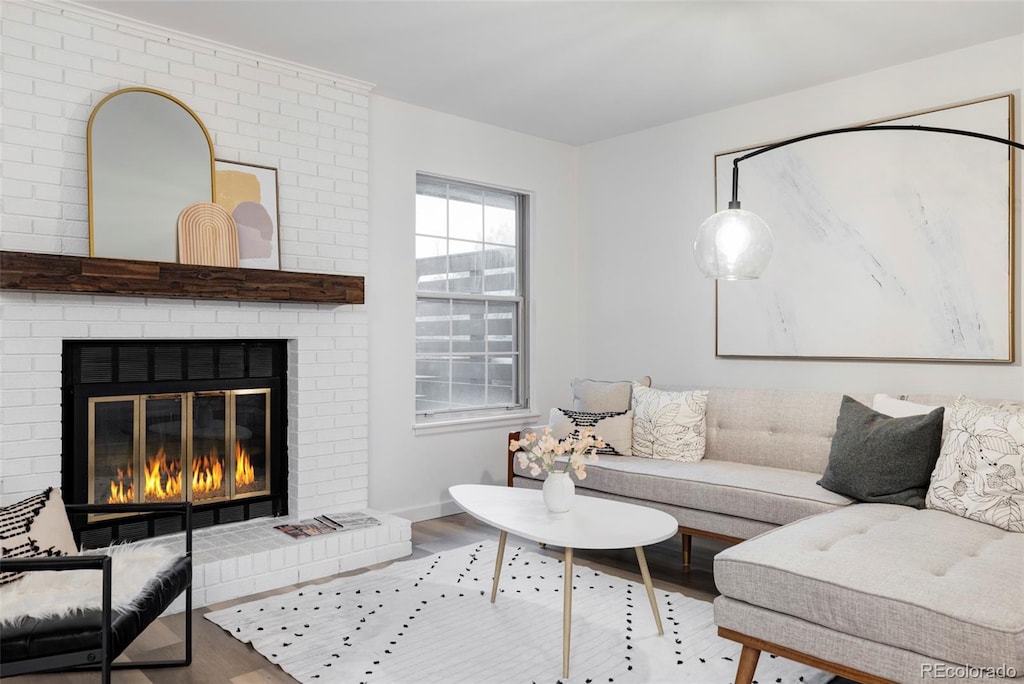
{"type": "Point", "coordinates": [880, 459]}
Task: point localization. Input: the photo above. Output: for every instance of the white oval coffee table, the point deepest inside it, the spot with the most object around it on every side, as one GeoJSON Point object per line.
{"type": "Point", "coordinates": [591, 524]}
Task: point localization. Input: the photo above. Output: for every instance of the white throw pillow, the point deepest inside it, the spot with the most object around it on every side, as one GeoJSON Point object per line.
{"type": "Point", "coordinates": [614, 427]}
{"type": "Point", "coordinates": [669, 425]}
{"type": "Point", "coordinates": [901, 408]}
{"type": "Point", "coordinates": [980, 471]}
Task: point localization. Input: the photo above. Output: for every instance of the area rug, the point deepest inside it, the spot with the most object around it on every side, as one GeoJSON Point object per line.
{"type": "Point", "coordinates": [431, 620]}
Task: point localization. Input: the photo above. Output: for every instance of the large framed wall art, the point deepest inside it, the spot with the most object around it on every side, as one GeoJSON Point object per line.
{"type": "Point", "coordinates": [888, 245]}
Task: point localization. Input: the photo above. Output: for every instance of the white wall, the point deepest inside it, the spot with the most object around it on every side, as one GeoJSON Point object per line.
{"type": "Point", "coordinates": [59, 61]}
{"type": "Point", "coordinates": [643, 195]}
{"type": "Point", "coordinates": [410, 471]}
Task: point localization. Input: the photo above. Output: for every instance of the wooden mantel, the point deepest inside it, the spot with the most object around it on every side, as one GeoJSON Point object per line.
{"type": "Point", "coordinates": [90, 275]}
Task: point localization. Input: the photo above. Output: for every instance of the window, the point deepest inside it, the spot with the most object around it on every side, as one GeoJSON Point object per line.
{"type": "Point", "coordinates": [470, 299]}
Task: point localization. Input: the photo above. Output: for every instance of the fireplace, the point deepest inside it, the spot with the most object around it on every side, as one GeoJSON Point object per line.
{"type": "Point", "coordinates": [171, 421]}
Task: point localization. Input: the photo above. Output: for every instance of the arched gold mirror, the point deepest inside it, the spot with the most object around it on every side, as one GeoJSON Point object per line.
{"type": "Point", "coordinates": [149, 157]}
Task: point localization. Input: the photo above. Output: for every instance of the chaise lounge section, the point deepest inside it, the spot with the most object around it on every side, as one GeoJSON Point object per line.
{"type": "Point", "coordinates": [878, 592]}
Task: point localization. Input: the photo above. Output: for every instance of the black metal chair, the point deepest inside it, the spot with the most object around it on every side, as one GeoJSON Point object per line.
{"type": "Point", "coordinates": [94, 638]}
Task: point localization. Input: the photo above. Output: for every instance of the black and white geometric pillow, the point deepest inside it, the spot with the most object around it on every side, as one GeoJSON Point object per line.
{"type": "Point", "coordinates": [614, 427]}
{"type": "Point", "coordinates": [37, 527]}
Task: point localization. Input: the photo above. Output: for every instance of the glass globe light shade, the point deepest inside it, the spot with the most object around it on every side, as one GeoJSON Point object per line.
{"type": "Point", "coordinates": [734, 244]}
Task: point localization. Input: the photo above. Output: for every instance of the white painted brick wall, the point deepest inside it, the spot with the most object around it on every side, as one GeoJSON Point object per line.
{"type": "Point", "coordinates": [59, 60]}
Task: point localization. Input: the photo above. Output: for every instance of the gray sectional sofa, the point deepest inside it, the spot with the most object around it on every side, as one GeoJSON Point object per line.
{"type": "Point", "coordinates": [874, 592]}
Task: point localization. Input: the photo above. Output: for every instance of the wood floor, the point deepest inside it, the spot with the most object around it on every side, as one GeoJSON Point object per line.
{"type": "Point", "coordinates": [218, 657]}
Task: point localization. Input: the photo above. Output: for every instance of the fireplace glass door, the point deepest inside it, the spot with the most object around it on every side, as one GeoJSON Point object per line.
{"type": "Point", "coordinates": [163, 448]}
{"type": "Point", "coordinates": [252, 442]}
{"type": "Point", "coordinates": [188, 446]}
{"type": "Point", "coordinates": [209, 446]}
{"type": "Point", "coordinates": [113, 447]}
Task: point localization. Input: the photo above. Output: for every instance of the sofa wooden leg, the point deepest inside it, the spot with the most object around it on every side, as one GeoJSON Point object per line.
{"type": "Point", "coordinates": [687, 545]}
{"type": "Point", "coordinates": [748, 663]}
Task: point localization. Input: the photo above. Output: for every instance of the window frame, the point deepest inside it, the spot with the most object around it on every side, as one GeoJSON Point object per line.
{"type": "Point", "coordinates": [520, 300]}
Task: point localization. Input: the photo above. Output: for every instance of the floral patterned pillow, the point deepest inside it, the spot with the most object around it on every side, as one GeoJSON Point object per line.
{"type": "Point", "coordinates": [669, 425]}
{"type": "Point", "coordinates": [980, 472]}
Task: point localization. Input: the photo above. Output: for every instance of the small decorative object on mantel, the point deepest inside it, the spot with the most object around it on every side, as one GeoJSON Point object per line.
{"type": "Point", "coordinates": [542, 453]}
{"type": "Point", "coordinates": [207, 236]}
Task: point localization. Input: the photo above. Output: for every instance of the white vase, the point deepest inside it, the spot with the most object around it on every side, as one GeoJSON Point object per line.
{"type": "Point", "coordinates": [559, 491]}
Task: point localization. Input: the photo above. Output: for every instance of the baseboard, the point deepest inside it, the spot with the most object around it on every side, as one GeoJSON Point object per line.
{"type": "Point", "coordinates": [428, 512]}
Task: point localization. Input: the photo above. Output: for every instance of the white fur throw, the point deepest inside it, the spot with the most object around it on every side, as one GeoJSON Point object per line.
{"type": "Point", "coordinates": [47, 594]}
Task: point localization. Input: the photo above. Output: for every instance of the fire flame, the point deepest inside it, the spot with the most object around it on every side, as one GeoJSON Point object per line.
{"type": "Point", "coordinates": [245, 474]}
{"type": "Point", "coordinates": [207, 473]}
{"type": "Point", "coordinates": [163, 476]}
{"type": "Point", "coordinates": [119, 491]}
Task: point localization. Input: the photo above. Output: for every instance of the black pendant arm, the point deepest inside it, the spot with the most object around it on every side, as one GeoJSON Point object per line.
{"type": "Point", "coordinates": [735, 203]}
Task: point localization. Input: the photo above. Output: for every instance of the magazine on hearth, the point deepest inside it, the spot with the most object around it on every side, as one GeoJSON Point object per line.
{"type": "Point", "coordinates": [325, 524]}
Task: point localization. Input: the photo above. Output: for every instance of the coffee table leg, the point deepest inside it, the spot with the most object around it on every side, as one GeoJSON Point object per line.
{"type": "Point", "coordinates": [566, 611]}
{"type": "Point", "coordinates": [650, 588]}
{"type": "Point", "coordinates": [497, 563]}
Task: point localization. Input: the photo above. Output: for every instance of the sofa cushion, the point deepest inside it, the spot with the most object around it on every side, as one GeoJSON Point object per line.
{"type": "Point", "coordinates": [783, 428]}
{"type": "Point", "coordinates": [980, 473]}
{"type": "Point", "coordinates": [881, 459]}
{"type": "Point", "coordinates": [918, 579]}
{"type": "Point", "coordinates": [771, 495]}
{"type": "Point", "coordinates": [714, 524]}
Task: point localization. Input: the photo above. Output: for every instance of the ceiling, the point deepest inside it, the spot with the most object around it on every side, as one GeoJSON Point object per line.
{"type": "Point", "coordinates": [580, 71]}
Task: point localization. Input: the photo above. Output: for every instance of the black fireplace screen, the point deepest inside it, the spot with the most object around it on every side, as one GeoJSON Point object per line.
{"type": "Point", "coordinates": [170, 422]}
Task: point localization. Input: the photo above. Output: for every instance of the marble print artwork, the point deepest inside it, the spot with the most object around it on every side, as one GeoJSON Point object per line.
{"type": "Point", "coordinates": [888, 244]}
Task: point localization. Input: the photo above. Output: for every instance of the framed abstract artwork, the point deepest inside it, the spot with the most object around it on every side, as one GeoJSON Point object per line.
{"type": "Point", "coordinates": [894, 245]}
{"type": "Point", "coordinates": [249, 193]}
